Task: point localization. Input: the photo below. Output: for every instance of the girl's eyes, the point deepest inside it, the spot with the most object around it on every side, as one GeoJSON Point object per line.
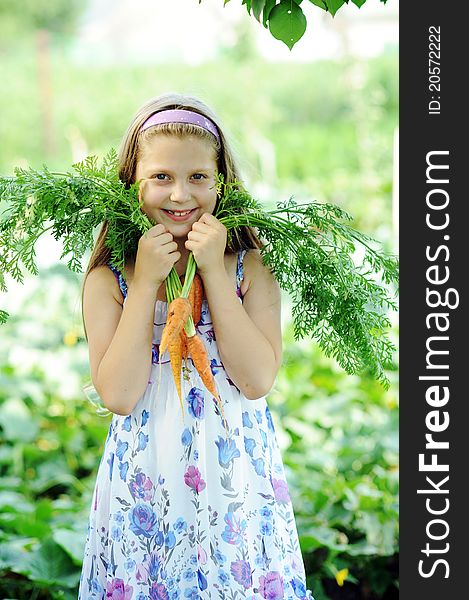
{"type": "Point", "coordinates": [161, 176]}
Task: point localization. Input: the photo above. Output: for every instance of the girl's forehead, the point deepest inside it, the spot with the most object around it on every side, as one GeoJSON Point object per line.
{"type": "Point", "coordinates": [171, 146]}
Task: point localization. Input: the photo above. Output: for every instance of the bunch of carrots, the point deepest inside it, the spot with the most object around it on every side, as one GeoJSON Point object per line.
{"type": "Point", "coordinates": [179, 336]}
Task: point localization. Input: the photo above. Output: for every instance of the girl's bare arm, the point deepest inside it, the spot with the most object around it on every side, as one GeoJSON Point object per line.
{"type": "Point", "coordinates": [248, 335]}
{"type": "Point", "coordinates": [119, 338]}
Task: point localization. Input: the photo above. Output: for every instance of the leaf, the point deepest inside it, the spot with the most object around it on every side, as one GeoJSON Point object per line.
{"type": "Point", "coordinates": [16, 421]}
{"type": "Point", "coordinates": [267, 9]}
{"type": "Point", "coordinates": [319, 3]}
{"type": "Point", "coordinates": [360, 3]}
{"type": "Point", "coordinates": [257, 8]}
{"type": "Point", "coordinates": [49, 565]}
{"type": "Point", "coordinates": [73, 542]}
{"type": "Point", "coordinates": [287, 23]}
{"type": "Point", "coordinates": [334, 5]}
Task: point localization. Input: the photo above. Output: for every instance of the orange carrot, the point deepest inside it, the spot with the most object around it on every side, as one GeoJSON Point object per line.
{"type": "Point", "coordinates": [178, 313]}
{"type": "Point", "coordinates": [198, 295]}
{"type": "Point", "coordinates": [184, 351]}
{"type": "Point", "coordinates": [202, 364]}
{"type": "Point", "coordinates": [175, 357]}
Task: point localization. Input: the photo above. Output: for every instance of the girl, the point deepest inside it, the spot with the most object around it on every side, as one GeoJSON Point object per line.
{"type": "Point", "coordinates": [180, 510]}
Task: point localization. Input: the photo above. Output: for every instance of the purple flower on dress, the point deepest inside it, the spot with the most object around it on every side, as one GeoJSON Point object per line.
{"type": "Point", "coordinates": [141, 487]}
{"type": "Point", "coordinates": [234, 529]}
{"type": "Point", "coordinates": [195, 399]}
{"type": "Point", "coordinates": [143, 521]}
{"type": "Point", "coordinates": [282, 495]}
{"type": "Point", "coordinates": [271, 586]}
{"type": "Point", "coordinates": [193, 479]}
{"type": "Point", "coordinates": [116, 590]}
{"type": "Point", "coordinates": [158, 592]}
{"type": "Point", "coordinates": [155, 353]}
{"type": "Point", "coordinates": [227, 451]}
{"type": "Point", "coordinates": [241, 571]}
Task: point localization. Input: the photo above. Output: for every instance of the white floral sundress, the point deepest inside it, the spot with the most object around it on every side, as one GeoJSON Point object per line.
{"type": "Point", "coordinates": [181, 511]}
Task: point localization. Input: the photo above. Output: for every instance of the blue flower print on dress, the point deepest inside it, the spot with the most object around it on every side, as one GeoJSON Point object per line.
{"type": "Point", "coordinates": [123, 469]}
{"type": "Point", "coordinates": [234, 529]}
{"type": "Point", "coordinates": [155, 354]}
{"type": "Point", "coordinates": [258, 415]}
{"type": "Point", "coordinates": [180, 525]}
{"type": "Point", "coordinates": [195, 400]}
{"type": "Point", "coordinates": [192, 593]}
{"type": "Point", "coordinates": [186, 437]}
{"type": "Point", "coordinates": [227, 451]}
{"type": "Point", "coordinates": [142, 441]}
{"type": "Point", "coordinates": [268, 416]}
{"type": "Point", "coordinates": [127, 424]}
{"type": "Point", "coordinates": [246, 420]}
{"type": "Point", "coordinates": [110, 462]}
{"type": "Point", "coordinates": [249, 445]}
{"type": "Point", "coordinates": [299, 588]}
{"type": "Point", "coordinates": [170, 540]}
{"type": "Point", "coordinates": [122, 448]}
{"type": "Point", "coordinates": [259, 466]}
{"type": "Point", "coordinates": [143, 521]}
{"type": "Point", "coordinates": [145, 415]}
{"type": "Point", "coordinates": [202, 580]}
{"type": "Point", "coordinates": [214, 366]}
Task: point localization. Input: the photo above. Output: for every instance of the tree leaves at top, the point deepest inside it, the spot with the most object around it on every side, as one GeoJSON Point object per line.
{"type": "Point", "coordinates": [285, 18]}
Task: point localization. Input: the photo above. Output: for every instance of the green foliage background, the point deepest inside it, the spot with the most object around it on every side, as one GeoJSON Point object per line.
{"type": "Point", "coordinates": [322, 130]}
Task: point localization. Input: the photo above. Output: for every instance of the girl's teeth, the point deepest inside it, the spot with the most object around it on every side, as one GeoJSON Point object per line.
{"type": "Point", "coordinates": [179, 214]}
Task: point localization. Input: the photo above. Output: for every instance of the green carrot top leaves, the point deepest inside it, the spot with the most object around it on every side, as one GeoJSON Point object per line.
{"type": "Point", "coordinates": [309, 247]}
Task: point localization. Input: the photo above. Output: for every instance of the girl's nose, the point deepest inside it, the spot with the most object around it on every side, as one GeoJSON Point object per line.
{"type": "Point", "coordinates": [180, 192]}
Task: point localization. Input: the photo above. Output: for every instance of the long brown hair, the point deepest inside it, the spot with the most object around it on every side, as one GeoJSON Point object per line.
{"type": "Point", "coordinates": [130, 151]}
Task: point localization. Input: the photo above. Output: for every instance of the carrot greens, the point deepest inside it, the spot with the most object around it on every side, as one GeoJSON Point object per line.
{"type": "Point", "coordinates": [339, 300]}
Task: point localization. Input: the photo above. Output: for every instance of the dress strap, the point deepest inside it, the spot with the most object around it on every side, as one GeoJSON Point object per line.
{"type": "Point", "coordinates": [120, 279]}
{"type": "Point", "coordinates": [240, 272]}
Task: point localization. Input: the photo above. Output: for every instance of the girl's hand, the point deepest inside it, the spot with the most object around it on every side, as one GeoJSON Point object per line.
{"type": "Point", "coordinates": [207, 242]}
{"type": "Point", "coordinates": [156, 255]}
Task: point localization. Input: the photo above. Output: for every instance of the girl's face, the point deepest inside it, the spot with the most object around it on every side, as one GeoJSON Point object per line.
{"type": "Point", "coordinates": [179, 176]}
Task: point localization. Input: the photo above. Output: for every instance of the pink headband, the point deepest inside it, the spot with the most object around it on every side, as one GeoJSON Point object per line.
{"type": "Point", "coordinates": [181, 116]}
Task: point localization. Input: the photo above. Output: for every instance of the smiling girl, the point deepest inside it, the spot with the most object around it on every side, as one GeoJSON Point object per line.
{"type": "Point", "coordinates": [180, 510]}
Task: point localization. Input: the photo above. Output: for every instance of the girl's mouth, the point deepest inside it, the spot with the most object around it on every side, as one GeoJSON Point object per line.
{"type": "Point", "coordinates": [179, 215]}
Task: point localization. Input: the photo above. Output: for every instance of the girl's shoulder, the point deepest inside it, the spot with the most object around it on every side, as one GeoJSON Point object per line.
{"type": "Point", "coordinates": [103, 280]}
{"type": "Point", "coordinates": [253, 269]}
